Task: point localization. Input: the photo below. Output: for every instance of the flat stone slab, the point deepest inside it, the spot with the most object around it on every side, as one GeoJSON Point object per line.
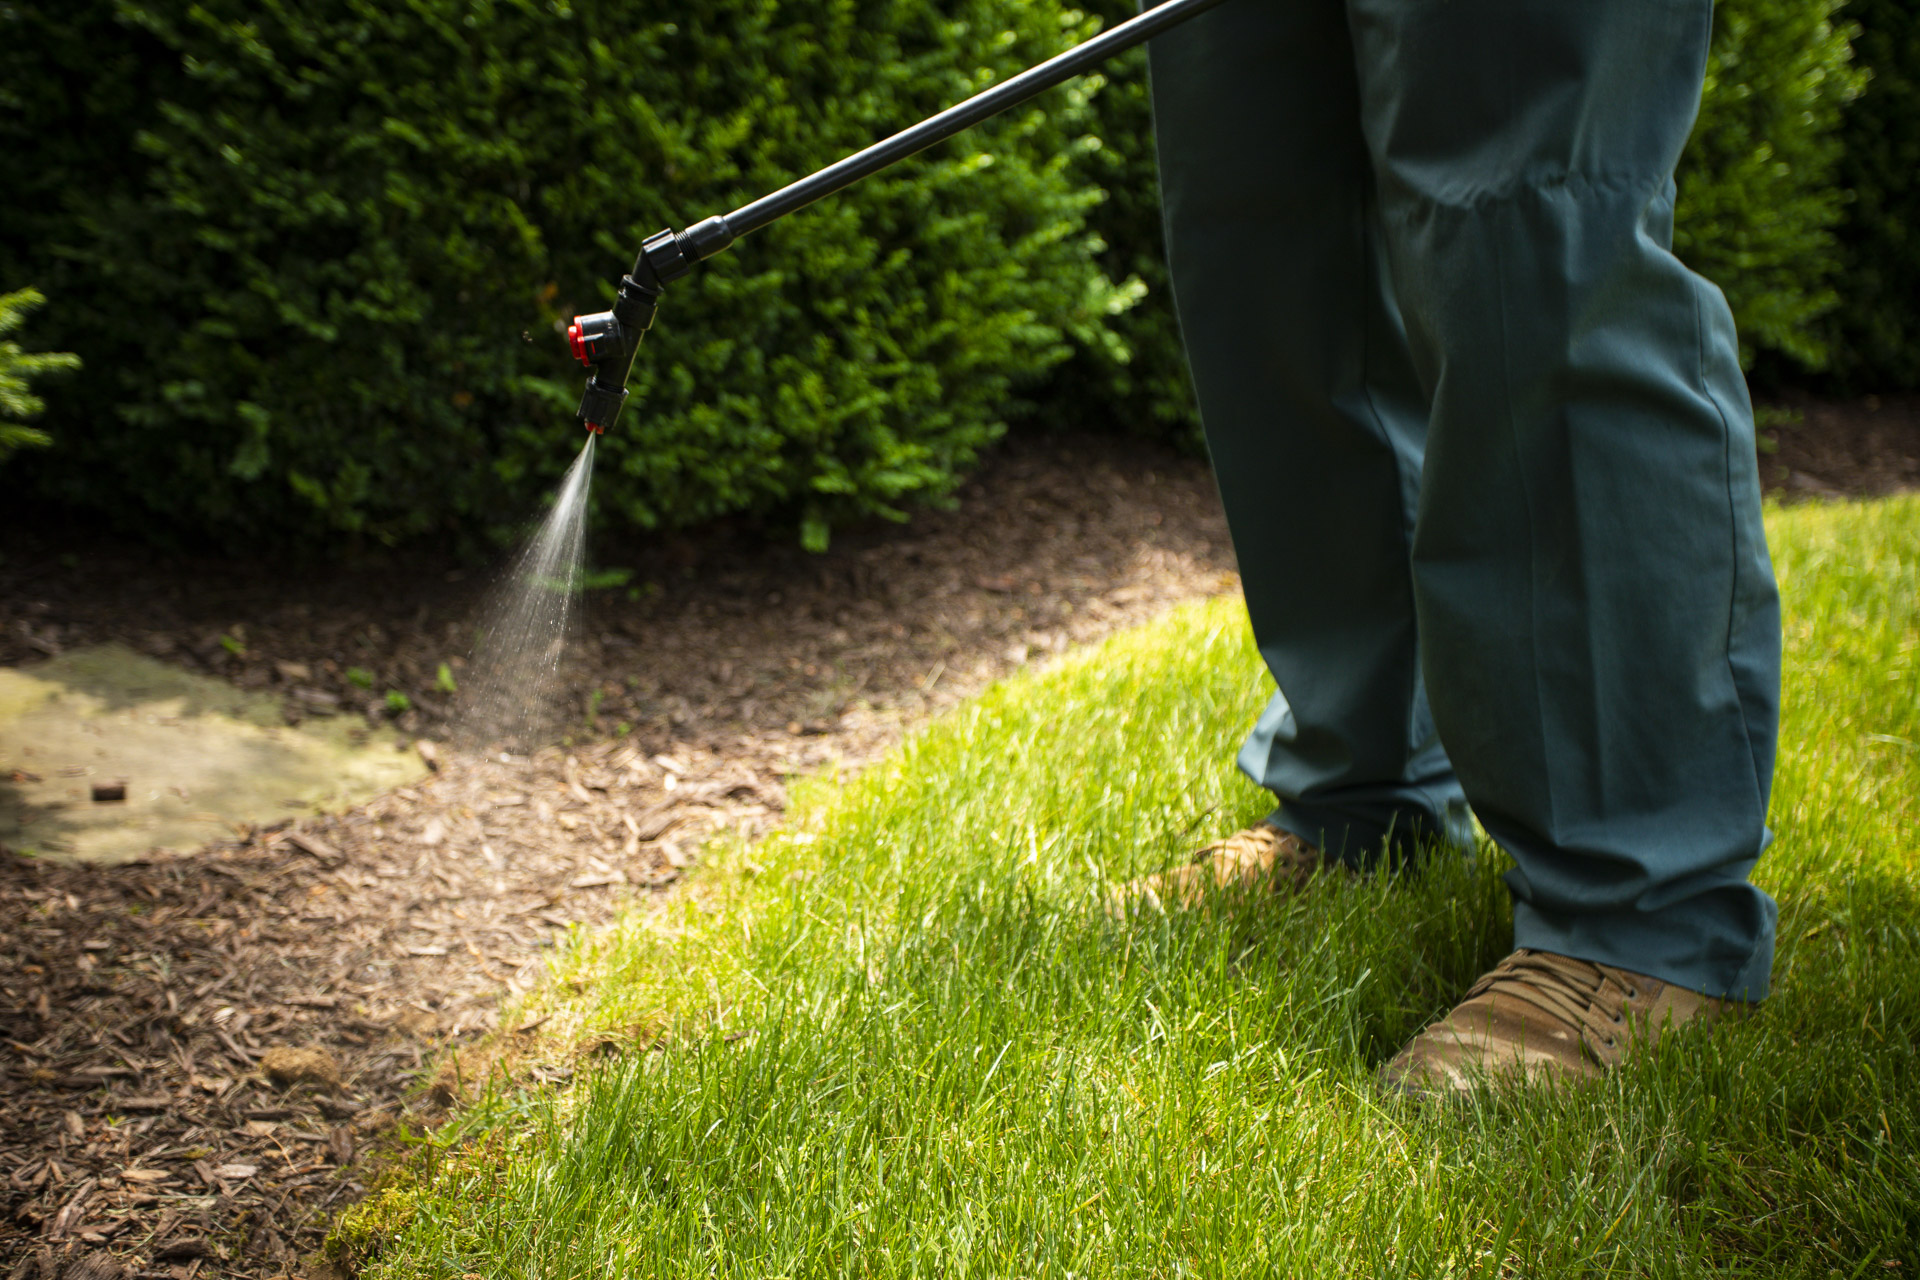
{"type": "Point", "coordinates": [199, 760]}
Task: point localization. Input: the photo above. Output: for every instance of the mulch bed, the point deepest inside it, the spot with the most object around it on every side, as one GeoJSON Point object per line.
{"type": "Point", "coordinates": [203, 1051]}
{"type": "Point", "coordinates": [712, 637]}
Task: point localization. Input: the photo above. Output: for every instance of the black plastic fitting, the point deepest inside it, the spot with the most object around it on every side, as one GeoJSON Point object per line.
{"type": "Point", "coordinates": [606, 343]}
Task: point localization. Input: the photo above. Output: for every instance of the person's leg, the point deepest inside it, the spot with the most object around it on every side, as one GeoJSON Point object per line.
{"type": "Point", "coordinates": [1312, 412]}
{"type": "Point", "coordinates": [1596, 608]}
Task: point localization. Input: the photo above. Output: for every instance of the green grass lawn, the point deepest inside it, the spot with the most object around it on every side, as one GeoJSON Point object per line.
{"type": "Point", "coordinates": [900, 1038]}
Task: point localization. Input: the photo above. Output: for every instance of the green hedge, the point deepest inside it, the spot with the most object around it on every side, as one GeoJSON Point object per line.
{"type": "Point", "coordinates": [18, 370]}
{"type": "Point", "coordinates": [1876, 330]}
{"type": "Point", "coordinates": [317, 256]}
{"type": "Point", "coordinates": [1757, 211]}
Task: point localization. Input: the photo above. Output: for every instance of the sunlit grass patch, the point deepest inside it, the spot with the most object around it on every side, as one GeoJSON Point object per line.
{"type": "Point", "coordinates": [901, 1037]}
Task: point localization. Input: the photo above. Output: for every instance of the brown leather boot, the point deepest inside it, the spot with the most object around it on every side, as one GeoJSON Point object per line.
{"type": "Point", "coordinates": [1540, 1016]}
{"type": "Point", "coordinates": [1260, 858]}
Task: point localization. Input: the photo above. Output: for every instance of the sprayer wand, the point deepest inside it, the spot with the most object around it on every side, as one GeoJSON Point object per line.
{"type": "Point", "coordinates": [607, 341]}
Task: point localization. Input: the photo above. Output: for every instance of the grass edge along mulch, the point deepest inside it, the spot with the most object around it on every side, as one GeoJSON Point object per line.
{"type": "Point", "coordinates": [899, 1036]}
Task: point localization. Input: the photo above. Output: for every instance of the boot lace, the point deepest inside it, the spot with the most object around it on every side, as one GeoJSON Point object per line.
{"type": "Point", "coordinates": [1573, 991]}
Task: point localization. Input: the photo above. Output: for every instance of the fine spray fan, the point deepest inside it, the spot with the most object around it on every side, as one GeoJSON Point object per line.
{"type": "Point", "coordinates": [606, 341]}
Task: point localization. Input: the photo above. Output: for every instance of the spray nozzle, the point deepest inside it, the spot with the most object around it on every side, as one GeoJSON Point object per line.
{"type": "Point", "coordinates": [607, 340]}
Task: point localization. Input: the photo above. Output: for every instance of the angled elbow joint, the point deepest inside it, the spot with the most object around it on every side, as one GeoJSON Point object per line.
{"type": "Point", "coordinates": [607, 341]}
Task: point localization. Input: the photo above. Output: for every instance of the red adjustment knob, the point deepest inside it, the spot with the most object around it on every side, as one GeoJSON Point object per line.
{"type": "Point", "coordinates": [596, 429]}
{"type": "Point", "coordinates": [578, 342]}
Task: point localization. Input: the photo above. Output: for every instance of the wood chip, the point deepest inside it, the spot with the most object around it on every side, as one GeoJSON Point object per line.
{"type": "Point", "coordinates": [95, 1266]}
{"type": "Point", "coordinates": [69, 1213]}
{"type": "Point", "coordinates": [657, 821]}
{"type": "Point", "coordinates": [312, 845]}
{"type": "Point", "coordinates": [146, 1175]}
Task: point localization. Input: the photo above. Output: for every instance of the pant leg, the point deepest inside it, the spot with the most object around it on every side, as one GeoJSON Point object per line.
{"type": "Point", "coordinates": [1596, 607]}
{"type": "Point", "coordinates": [1313, 414]}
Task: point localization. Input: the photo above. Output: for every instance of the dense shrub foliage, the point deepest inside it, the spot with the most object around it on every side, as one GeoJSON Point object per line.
{"type": "Point", "coordinates": [1877, 326]}
{"type": "Point", "coordinates": [317, 255]}
{"type": "Point", "coordinates": [18, 369]}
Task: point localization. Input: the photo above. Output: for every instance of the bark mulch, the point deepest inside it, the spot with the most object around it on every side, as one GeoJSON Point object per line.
{"type": "Point", "coordinates": [706, 639]}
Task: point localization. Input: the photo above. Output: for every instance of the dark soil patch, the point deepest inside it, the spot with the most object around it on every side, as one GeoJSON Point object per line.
{"type": "Point", "coordinates": [1830, 449]}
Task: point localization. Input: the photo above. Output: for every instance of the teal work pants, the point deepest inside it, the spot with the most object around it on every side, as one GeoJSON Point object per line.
{"type": "Point", "coordinates": [1486, 452]}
